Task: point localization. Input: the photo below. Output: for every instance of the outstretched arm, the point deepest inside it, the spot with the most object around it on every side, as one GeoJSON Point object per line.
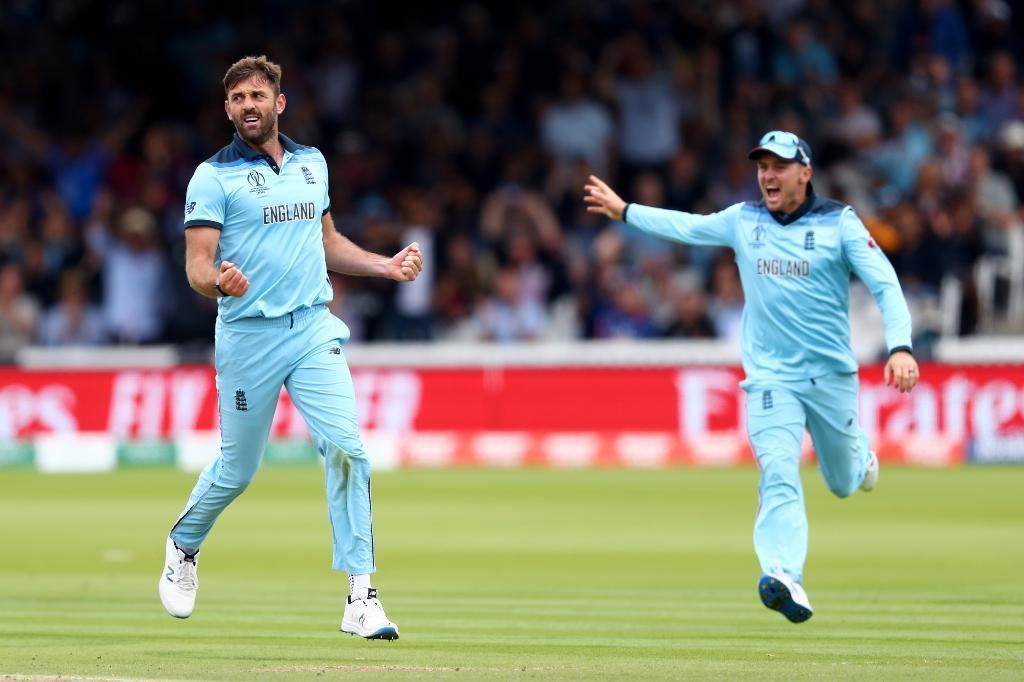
{"type": "Point", "coordinates": [716, 229]}
{"type": "Point", "coordinates": [345, 257]}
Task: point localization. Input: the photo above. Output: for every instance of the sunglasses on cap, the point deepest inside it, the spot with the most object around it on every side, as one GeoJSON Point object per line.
{"type": "Point", "coordinates": [784, 145]}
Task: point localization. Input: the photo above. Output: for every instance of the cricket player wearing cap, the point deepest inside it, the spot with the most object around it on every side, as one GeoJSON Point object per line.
{"type": "Point", "coordinates": [795, 252]}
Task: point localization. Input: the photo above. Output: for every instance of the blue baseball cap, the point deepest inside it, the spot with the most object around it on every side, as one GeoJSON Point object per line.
{"type": "Point", "coordinates": [786, 146]}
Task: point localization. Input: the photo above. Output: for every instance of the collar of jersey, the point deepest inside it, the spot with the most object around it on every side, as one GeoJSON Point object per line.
{"type": "Point", "coordinates": [789, 218]}
{"type": "Point", "coordinates": [250, 154]}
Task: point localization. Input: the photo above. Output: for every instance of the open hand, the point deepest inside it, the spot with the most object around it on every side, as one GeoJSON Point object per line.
{"type": "Point", "coordinates": [407, 264]}
{"type": "Point", "coordinates": [603, 199]}
{"type": "Point", "coordinates": [231, 280]}
{"type": "Point", "coordinates": [901, 372]}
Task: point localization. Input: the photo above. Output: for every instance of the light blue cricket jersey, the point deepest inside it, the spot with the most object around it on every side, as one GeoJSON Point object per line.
{"type": "Point", "coordinates": [270, 226]}
{"type": "Point", "coordinates": [795, 271]}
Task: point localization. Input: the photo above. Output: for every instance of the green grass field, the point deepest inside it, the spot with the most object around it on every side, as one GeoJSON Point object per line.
{"type": "Point", "coordinates": [531, 574]}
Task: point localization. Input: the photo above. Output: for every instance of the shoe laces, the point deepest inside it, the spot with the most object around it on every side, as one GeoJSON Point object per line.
{"type": "Point", "coordinates": [186, 578]}
{"type": "Point", "coordinates": [374, 603]}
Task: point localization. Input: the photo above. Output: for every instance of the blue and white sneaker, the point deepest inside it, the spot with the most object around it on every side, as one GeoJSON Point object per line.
{"type": "Point", "coordinates": [781, 593]}
{"type": "Point", "coordinates": [870, 473]}
{"type": "Point", "coordinates": [179, 581]}
{"type": "Point", "coordinates": [365, 617]}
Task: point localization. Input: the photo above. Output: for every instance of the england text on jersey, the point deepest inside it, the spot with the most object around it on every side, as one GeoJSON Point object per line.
{"type": "Point", "coordinates": [283, 213]}
{"type": "Point", "coordinates": [780, 267]}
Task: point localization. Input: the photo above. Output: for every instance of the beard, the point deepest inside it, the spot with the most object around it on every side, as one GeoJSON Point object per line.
{"type": "Point", "coordinates": [263, 132]}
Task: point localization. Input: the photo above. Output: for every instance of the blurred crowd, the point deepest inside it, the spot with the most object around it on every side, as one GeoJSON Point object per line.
{"type": "Point", "coordinates": [471, 129]}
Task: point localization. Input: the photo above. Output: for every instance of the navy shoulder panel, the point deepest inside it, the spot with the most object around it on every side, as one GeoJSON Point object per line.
{"type": "Point", "coordinates": [226, 156]}
{"type": "Point", "coordinates": [827, 207]}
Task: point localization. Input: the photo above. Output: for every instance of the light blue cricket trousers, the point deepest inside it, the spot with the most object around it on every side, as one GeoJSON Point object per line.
{"type": "Point", "coordinates": [304, 352]}
{"type": "Point", "coordinates": [777, 413]}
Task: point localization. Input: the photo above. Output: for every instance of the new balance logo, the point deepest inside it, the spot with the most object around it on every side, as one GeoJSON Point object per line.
{"type": "Point", "coordinates": [809, 241]}
{"type": "Point", "coordinates": [170, 573]}
{"type": "Point", "coordinates": [766, 400]}
{"type": "Point", "coordinates": [240, 403]}
{"type": "Point", "coordinates": [335, 350]}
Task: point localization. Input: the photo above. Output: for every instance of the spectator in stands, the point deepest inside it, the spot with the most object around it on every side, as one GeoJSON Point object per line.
{"type": "Point", "coordinates": [1011, 156]}
{"type": "Point", "coordinates": [14, 228]}
{"type": "Point", "coordinates": [968, 109]}
{"type": "Point", "coordinates": [507, 314]}
{"type": "Point", "coordinates": [19, 312]}
{"type": "Point", "coordinates": [999, 101]}
{"type": "Point", "coordinates": [649, 107]}
{"type": "Point", "coordinates": [459, 288]}
{"type": "Point", "coordinates": [72, 320]}
{"type": "Point", "coordinates": [994, 198]}
{"type": "Point", "coordinates": [726, 307]}
{"type": "Point", "coordinates": [135, 300]}
{"type": "Point", "coordinates": [690, 317]}
{"type": "Point", "coordinates": [953, 153]}
{"type": "Point", "coordinates": [577, 126]}
{"type": "Point", "coordinates": [802, 61]}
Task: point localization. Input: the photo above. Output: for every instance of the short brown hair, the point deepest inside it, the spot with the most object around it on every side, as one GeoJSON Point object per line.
{"type": "Point", "coordinates": [247, 67]}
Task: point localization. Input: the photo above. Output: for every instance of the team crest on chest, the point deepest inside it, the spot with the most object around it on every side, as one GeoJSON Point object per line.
{"type": "Point", "coordinates": [809, 241]}
{"type": "Point", "coordinates": [308, 174]}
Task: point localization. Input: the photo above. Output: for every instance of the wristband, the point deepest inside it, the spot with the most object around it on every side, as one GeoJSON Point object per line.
{"type": "Point", "coordinates": [624, 209]}
{"type": "Point", "coordinates": [216, 285]}
{"type": "Point", "coordinates": [902, 349]}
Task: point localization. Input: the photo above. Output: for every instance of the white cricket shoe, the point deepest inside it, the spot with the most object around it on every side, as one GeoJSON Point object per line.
{"type": "Point", "coordinates": [179, 581]}
{"type": "Point", "coordinates": [366, 618]}
{"type": "Point", "coordinates": [870, 473]}
{"type": "Point", "coordinates": [781, 593]}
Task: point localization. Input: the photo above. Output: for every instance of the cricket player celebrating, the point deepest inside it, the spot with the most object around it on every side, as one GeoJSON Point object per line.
{"type": "Point", "coordinates": [795, 253]}
{"type": "Point", "coordinates": [259, 237]}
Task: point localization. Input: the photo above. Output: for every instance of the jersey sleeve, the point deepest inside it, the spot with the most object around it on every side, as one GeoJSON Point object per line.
{"type": "Point", "coordinates": [204, 199]}
{"type": "Point", "coordinates": [716, 229]}
{"type": "Point", "coordinates": [866, 260]}
{"type": "Point", "coordinates": [327, 187]}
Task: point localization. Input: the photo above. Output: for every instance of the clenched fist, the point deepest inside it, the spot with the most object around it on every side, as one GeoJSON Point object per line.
{"type": "Point", "coordinates": [231, 281]}
{"type": "Point", "coordinates": [406, 265]}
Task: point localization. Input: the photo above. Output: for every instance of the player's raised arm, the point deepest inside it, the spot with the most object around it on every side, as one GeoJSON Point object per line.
{"type": "Point", "coordinates": [345, 257]}
{"type": "Point", "coordinates": [687, 228]}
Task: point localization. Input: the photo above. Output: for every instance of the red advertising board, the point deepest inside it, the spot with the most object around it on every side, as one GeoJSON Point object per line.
{"type": "Point", "coordinates": [961, 400]}
{"type": "Point", "coordinates": [968, 404]}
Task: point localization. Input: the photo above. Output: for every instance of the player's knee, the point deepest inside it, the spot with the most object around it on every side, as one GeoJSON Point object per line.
{"type": "Point", "coordinates": [235, 478]}
{"type": "Point", "coordinates": [344, 448]}
{"type": "Point", "coordinates": [781, 481]}
{"type": "Point", "coordinates": [841, 488]}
